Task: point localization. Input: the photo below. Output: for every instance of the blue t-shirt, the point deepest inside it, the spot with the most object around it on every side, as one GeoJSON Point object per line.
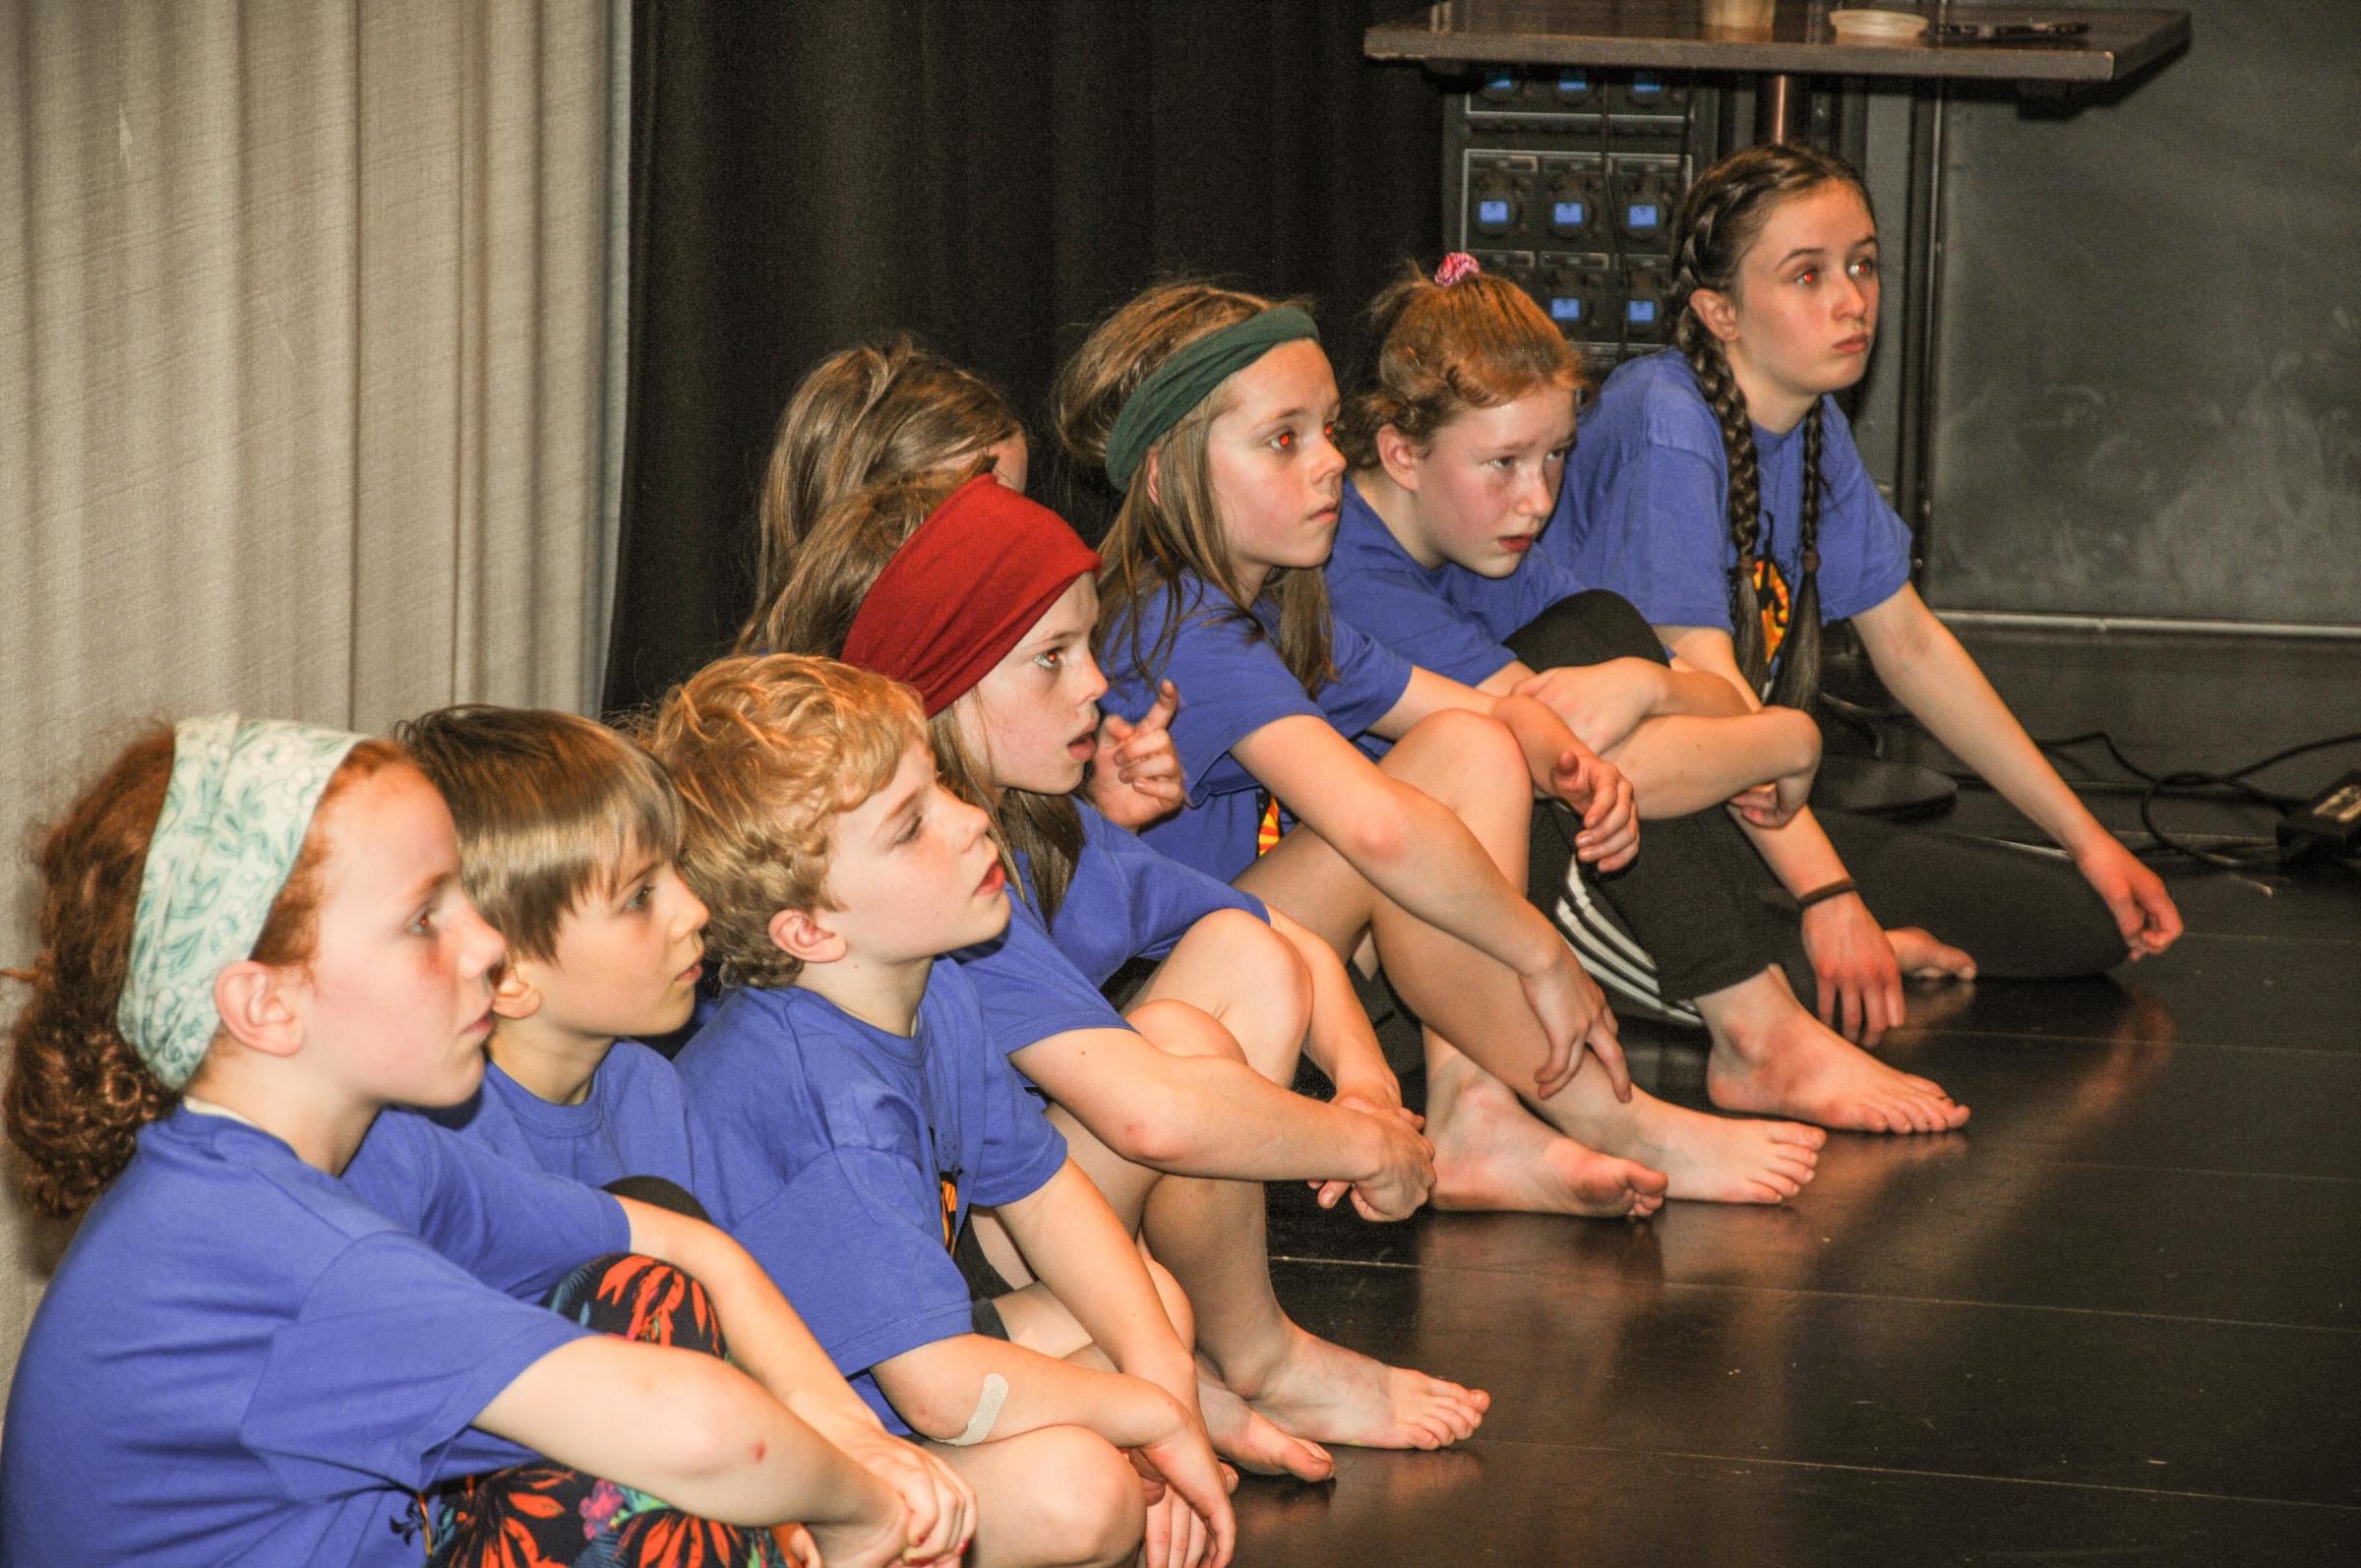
{"type": "Point", "coordinates": [846, 1157]}
{"type": "Point", "coordinates": [632, 1123]}
{"type": "Point", "coordinates": [1645, 509]}
{"type": "Point", "coordinates": [244, 1359]}
{"type": "Point", "coordinates": [1445, 618]}
{"type": "Point", "coordinates": [1232, 683]}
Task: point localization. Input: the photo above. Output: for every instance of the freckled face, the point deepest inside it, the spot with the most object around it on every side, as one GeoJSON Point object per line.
{"type": "Point", "coordinates": [399, 994]}
{"type": "Point", "coordinates": [1807, 295]}
{"type": "Point", "coordinates": [1489, 481]}
{"type": "Point", "coordinates": [1276, 474]}
{"type": "Point", "coordinates": [1032, 722]}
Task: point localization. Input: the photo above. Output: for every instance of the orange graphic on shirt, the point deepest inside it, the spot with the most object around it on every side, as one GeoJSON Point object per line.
{"type": "Point", "coordinates": [1269, 830]}
{"type": "Point", "coordinates": [1771, 595]}
{"type": "Point", "coordinates": [951, 1209]}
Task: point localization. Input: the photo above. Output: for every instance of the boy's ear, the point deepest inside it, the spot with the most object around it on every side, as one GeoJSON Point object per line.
{"type": "Point", "coordinates": [1148, 475]}
{"type": "Point", "coordinates": [259, 1006]}
{"type": "Point", "coordinates": [800, 936]}
{"type": "Point", "coordinates": [515, 995]}
{"type": "Point", "coordinates": [1720, 316]}
{"type": "Point", "coordinates": [1398, 457]}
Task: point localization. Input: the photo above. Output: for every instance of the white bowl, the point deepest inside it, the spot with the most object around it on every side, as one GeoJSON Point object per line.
{"type": "Point", "coordinates": [1877, 27]}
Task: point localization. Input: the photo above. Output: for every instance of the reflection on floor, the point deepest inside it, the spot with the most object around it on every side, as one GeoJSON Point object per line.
{"type": "Point", "coordinates": [2117, 1319]}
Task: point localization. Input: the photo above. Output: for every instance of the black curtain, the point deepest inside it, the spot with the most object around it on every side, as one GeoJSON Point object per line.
{"type": "Point", "coordinates": [991, 177]}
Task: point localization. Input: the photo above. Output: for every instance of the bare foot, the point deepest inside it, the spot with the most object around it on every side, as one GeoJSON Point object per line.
{"type": "Point", "coordinates": [1490, 1153]}
{"type": "Point", "coordinates": [1797, 1067]}
{"type": "Point", "coordinates": [1241, 1434]}
{"type": "Point", "coordinates": [1921, 956]}
{"type": "Point", "coordinates": [1715, 1159]}
{"type": "Point", "coordinates": [1324, 1392]}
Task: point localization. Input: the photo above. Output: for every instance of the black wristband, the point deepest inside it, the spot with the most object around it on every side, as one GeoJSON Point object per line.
{"type": "Point", "coordinates": [1821, 895]}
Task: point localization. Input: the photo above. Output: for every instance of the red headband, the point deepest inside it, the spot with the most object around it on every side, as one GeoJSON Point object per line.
{"type": "Point", "coordinates": [963, 589]}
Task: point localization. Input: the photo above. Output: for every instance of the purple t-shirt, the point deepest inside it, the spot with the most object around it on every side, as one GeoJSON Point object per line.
{"type": "Point", "coordinates": [245, 1360]}
{"type": "Point", "coordinates": [1232, 683]}
{"type": "Point", "coordinates": [632, 1123]}
{"type": "Point", "coordinates": [1645, 506]}
{"type": "Point", "coordinates": [1445, 618]}
{"type": "Point", "coordinates": [1125, 901]}
{"type": "Point", "coordinates": [845, 1157]}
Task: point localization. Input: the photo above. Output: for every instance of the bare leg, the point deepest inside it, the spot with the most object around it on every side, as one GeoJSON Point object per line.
{"type": "Point", "coordinates": [1771, 1056]}
{"type": "Point", "coordinates": [1211, 1236]}
{"type": "Point", "coordinates": [1093, 1514]}
{"type": "Point", "coordinates": [1476, 1004]}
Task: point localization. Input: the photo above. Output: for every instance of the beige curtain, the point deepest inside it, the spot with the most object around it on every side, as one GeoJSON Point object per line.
{"type": "Point", "coordinates": [308, 314]}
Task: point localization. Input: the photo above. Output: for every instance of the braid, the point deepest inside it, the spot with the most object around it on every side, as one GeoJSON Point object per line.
{"type": "Point", "coordinates": [1722, 218]}
{"type": "Point", "coordinates": [1800, 656]}
{"type": "Point", "coordinates": [1721, 395]}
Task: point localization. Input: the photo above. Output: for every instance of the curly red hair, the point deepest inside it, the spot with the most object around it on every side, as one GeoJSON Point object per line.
{"type": "Point", "coordinates": [78, 1092]}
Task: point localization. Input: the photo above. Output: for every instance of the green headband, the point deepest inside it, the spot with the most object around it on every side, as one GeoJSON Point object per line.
{"type": "Point", "coordinates": [235, 814]}
{"type": "Point", "coordinates": [1184, 381]}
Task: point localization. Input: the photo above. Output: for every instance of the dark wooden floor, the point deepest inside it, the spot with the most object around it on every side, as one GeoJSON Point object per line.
{"type": "Point", "coordinates": [2116, 1319]}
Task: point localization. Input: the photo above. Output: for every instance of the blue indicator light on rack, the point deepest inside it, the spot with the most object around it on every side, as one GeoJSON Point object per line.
{"type": "Point", "coordinates": [1493, 211]}
{"type": "Point", "coordinates": [1566, 214]}
{"type": "Point", "coordinates": [1573, 84]}
{"type": "Point", "coordinates": [1501, 81]}
{"type": "Point", "coordinates": [1646, 88]}
{"type": "Point", "coordinates": [1643, 215]}
{"type": "Point", "coordinates": [1640, 312]}
{"type": "Point", "coordinates": [1565, 308]}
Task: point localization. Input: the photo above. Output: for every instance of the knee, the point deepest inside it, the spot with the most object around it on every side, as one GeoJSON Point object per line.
{"type": "Point", "coordinates": [1464, 758]}
{"type": "Point", "coordinates": [1090, 1508]}
{"type": "Point", "coordinates": [1268, 990]}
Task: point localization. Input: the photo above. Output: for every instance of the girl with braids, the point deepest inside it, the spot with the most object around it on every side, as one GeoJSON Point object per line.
{"type": "Point", "coordinates": [1210, 412]}
{"type": "Point", "coordinates": [1716, 486]}
{"type": "Point", "coordinates": [272, 1331]}
{"type": "Point", "coordinates": [1458, 440]}
{"type": "Point", "coordinates": [985, 602]}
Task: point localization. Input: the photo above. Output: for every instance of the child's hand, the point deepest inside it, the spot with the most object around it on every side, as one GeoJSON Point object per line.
{"type": "Point", "coordinates": [1610, 826]}
{"type": "Point", "coordinates": [1601, 703]}
{"type": "Point", "coordinates": [1136, 776]}
{"type": "Point", "coordinates": [1860, 982]}
{"type": "Point", "coordinates": [797, 1547]}
{"type": "Point", "coordinates": [941, 1507]}
{"type": "Point", "coordinates": [1573, 1014]}
{"type": "Point", "coordinates": [1189, 1519]}
{"type": "Point", "coordinates": [876, 1539]}
{"type": "Point", "coordinates": [2134, 894]}
{"type": "Point", "coordinates": [1405, 1171]}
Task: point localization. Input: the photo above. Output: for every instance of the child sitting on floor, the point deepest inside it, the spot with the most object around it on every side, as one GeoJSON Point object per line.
{"type": "Point", "coordinates": [566, 838]}
{"type": "Point", "coordinates": [854, 1108]}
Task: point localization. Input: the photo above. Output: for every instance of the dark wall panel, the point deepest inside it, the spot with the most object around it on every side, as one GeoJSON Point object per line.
{"type": "Point", "coordinates": [991, 178]}
{"type": "Point", "coordinates": [2150, 316]}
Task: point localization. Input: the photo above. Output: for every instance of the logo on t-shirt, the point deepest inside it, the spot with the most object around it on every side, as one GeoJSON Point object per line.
{"type": "Point", "coordinates": [1771, 596]}
{"type": "Point", "coordinates": [950, 1207]}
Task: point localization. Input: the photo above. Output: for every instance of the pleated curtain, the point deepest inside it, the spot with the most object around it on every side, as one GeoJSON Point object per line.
{"type": "Point", "coordinates": [310, 314]}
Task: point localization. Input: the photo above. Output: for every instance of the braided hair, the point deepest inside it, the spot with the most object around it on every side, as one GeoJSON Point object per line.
{"type": "Point", "coordinates": [1719, 222]}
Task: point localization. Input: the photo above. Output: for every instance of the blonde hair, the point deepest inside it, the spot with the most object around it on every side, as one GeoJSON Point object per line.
{"type": "Point", "coordinates": [862, 414]}
{"type": "Point", "coordinates": [547, 807]}
{"type": "Point", "coordinates": [813, 614]}
{"type": "Point", "coordinates": [766, 751]}
{"type": "Point", "coordinates": [1173, 525]}
{"type": "Point", "coordinates": [1443, 349]}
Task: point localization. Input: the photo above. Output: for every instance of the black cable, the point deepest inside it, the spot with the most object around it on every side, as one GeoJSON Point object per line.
{"type": "Point", "coordinates": [2240, 854]}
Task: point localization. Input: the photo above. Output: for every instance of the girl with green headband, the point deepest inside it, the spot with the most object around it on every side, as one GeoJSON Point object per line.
{"type": "Point", "coordinates": [253, 940]}
{"type": "Point", "coordinates": [1210, 412]}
